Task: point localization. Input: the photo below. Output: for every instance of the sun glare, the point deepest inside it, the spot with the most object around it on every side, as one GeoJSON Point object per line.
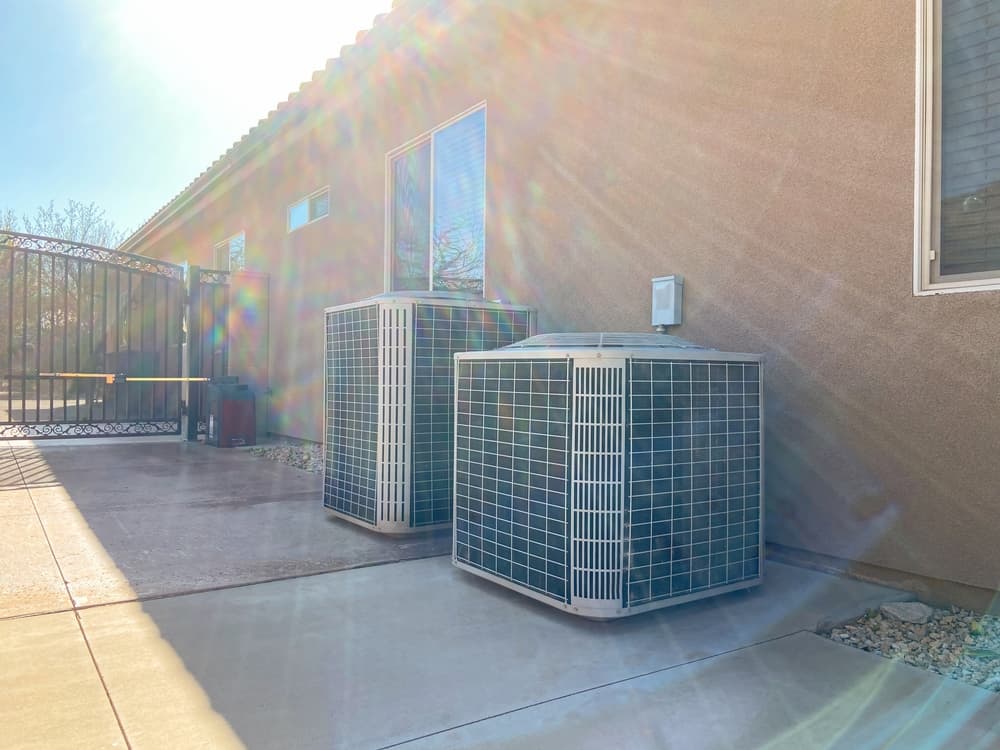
{"type": "Point", "coordinates": [247, 53]}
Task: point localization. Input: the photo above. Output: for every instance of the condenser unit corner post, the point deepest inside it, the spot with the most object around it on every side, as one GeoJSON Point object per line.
{"type": "Point", "coordinates": [597, 485]}
{"type": "Point", "coordinates": [389, 419]}
{"type": "Point", "coordinates": [633, 475]}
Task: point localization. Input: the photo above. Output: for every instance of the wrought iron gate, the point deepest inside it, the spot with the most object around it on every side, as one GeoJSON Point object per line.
{"type": "Point", "coordinates": [67, 307]}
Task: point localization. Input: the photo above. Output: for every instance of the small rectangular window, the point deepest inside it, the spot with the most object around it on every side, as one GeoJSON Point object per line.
{"type": "Point", "coordinates": [309, 209]}
{"type": "Point", "coordinates": [958, 192]}
{"type": "Point", "coordinates": [437, 230]}
{"type": "Point", "coordinates": [230, 255]}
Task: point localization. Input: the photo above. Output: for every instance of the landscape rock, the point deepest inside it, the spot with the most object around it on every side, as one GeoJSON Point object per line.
{"type": "Point", "coordinates": [912, 612]}
{"type": "Point", "coordinates": [955, 643]}
{"type": "Point", "coordinates": [307, 456]}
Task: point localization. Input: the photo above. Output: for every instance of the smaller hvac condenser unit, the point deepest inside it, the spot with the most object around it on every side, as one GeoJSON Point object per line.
{"type": "Point", "coordinates": [609, 474]}
{"type": "Point", "coordinates": [390, 398]}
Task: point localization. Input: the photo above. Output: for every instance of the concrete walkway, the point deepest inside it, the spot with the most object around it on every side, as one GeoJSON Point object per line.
{"type": "Point", "coordinates": [139, 608]}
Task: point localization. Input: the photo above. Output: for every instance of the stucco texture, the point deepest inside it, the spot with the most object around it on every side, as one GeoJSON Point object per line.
{"type": "Point", "coordinates": [763, 150]}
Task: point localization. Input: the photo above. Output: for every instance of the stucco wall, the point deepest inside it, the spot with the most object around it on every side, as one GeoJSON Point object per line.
{"type": "Point", "coordinates": [763, 150]}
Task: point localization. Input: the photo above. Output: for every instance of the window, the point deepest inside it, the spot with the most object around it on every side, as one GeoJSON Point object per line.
{"type": "Point", "coordinates": [437, 209]}
{"type": "Point", "coordinates": [309, 209]}
{"type": "Point", "coordinates": [957, 238]}
{"type": "Point", "coordinates": [231, 254]}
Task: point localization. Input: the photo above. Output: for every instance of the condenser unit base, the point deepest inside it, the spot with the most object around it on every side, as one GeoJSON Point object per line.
{"type": "Point", "coordinates": [603, 610]}
{"type": "Point", "coordinates": [389, 528]}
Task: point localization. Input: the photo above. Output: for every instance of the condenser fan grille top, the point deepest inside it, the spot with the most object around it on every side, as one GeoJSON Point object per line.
{"type": "Point", "coordinates": [608, 479]}
{"type": "Point", "coordinates": [390, 402]}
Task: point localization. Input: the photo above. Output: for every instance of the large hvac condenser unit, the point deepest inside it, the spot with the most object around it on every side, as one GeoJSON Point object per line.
{"type": "Point", "coordinates": [389, 402]}
{"type": "Point", "coordinates": [609, 474]}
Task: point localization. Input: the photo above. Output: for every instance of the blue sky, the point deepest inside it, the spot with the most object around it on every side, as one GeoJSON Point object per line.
{"type": "Point", "coordinates": [124, 102]}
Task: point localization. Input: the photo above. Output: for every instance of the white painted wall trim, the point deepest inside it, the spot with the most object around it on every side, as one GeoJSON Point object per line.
{"type": "Point", "coordinates": [926, 194]}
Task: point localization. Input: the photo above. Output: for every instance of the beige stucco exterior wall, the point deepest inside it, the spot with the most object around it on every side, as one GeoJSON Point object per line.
{"type": "Point", "coordinates": [763, 150]}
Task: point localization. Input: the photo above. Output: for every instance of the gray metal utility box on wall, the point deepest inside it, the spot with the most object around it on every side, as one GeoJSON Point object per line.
{"type": "Point", "coordinates": [609, 474]}
{"type": "Point", "coordinates": [390, 399]}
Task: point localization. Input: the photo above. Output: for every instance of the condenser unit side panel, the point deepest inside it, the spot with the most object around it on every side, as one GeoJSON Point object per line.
{"type": "Point", "coordinates": [350, 478]}
{"type": "Point", "coordinates": [439, 332]}
{"type": "Point", "coordinates": [511, 471]}
{"type": "Point", "coordinates": [694, 484]}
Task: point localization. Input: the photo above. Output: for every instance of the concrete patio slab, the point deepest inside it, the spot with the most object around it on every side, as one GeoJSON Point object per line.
{"type": "Point", "coordinates": [15, 503]}
{"type": "Point", "coordinates": [395, 652]}
{"type": "Point", "coordinates": [92, 575]}
{"type": "Point", "coordinates": [135, 520]}
{"type": "Point", "coordinates": [10, 474]}
{"type": "Point", "coordinates": [234, 540]}
{"type": "Point", "coordinates": [797, 692]}
{"type": "Point", "coordinates": [159, 703]}
{"type": "Point", "coordinates": [184, 485]}
{"type": "Point", "coordinates": [376, 656]}
{"type": "Point", "coordinates": [128, 484]}
{"type": "Point", "coordinates": [50, 693]}
{"type": "Point", "coordinates": [30, 580]}
{"type": "Point", "coordinates": [102, 452]}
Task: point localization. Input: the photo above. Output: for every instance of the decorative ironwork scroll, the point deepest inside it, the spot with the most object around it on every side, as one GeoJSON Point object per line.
{"type": "Point", "coordinates": [211, 276]}
{"type": "Point", "coordinates": [88, 429]}
{"type": "Point", "coordinates": [91, 252]}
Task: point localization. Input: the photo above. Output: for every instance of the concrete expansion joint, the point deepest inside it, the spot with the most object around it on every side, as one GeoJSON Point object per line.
{"type": "Point", "coordinates": [593, 688]}
{"type": "Point", "coordinates": [209, 589]}
{"type": "Point", "coordinates": [75, 610]}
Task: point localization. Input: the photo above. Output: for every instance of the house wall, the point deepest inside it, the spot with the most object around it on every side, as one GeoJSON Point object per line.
{"type": "Point", "coordinates": [763, 150]}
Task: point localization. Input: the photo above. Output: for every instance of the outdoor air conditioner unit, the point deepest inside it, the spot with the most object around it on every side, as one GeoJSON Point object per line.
{"type": "Point", "coordinates": [609, 474]}
{"type": "Point", "coordinates": [389, 401]}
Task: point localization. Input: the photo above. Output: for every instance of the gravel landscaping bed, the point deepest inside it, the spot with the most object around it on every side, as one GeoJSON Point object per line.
{"type": "Point", "coordinates": [953, 642]}
{"type": "Point", "coordinates": [308, 456]}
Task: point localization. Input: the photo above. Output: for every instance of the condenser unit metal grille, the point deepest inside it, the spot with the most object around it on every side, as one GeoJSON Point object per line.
{"type": "Point", "coordinates": [390, 402]}
{"type": "Point", "coordinates": [511, 471]}
{"type": "Point", "coordinates": [609, 474]}
{"type": "Point", "coordinates": [350, 481]}
{"type": "Point", "coordinates": [695, 477]}
{"type": "Point", "coordinates": [439, 332]}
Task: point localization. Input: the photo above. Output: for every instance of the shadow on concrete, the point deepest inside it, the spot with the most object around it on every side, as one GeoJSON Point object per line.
{"type": "Point", "coordinates": [380, 654]}
{"type": "Point", "coordinates": [178, 517]}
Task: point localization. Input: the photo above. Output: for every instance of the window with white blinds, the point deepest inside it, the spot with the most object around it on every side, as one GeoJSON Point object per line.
{"type": "Point", "coordinates": [960, 133]}
{"type": "Point", "coordinates": [437, 193]}
{"type": "Point", "coordinates": [970, 136]}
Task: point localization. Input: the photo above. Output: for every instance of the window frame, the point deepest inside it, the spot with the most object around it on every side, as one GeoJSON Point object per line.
{"type": "Point", "coordinates": [425, 137]}
{"type": "Point", "coordinates": [229, 253]}
{"type": "Point", "coordinates": [307, 199]}
{"type": "Point", "coordinates": [927, 278]}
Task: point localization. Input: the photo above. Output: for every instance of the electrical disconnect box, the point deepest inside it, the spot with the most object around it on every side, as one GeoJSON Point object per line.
{"type": "Point", "coordinates": [668, 301]}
